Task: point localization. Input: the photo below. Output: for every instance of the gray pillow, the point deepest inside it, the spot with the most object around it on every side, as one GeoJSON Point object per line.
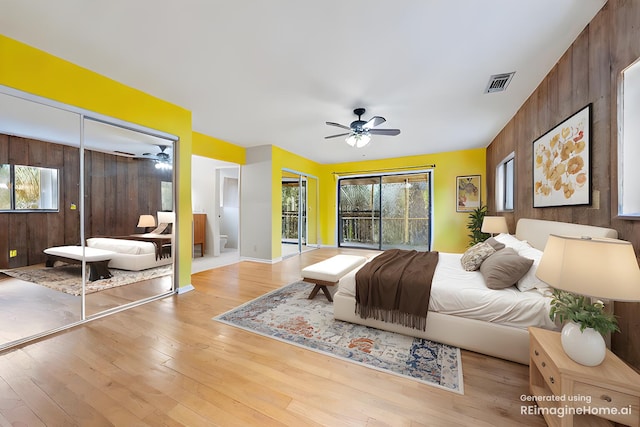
{"type": "Point", "coordinates": [495, 244]}
{"type": "Point", "coordinates": [504, 268]}
{"type": "Point", "coordinates": [474, 256]}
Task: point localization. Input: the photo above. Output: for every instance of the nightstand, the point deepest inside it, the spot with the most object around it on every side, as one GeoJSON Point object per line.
{"type": "Point", "coordinates": [585, 396]}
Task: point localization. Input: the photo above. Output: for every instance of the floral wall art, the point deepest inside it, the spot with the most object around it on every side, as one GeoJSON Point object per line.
{"type": "Point", "coordinates": [561, 162]}
{"type": "Point", "coordinates": [468, 193]}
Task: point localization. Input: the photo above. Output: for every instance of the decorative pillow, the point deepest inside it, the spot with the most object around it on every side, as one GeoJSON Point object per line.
{"type": "Point", "coordinates": [511, 241]}
{"type": "Point", "coordinates": [504, 268]}
{"type": "Point", "coordinates": [529, 280]}
{"type": "Point", "coordinates": [495, 244]}
{"type": "Point", "coordinates": [474, 256]}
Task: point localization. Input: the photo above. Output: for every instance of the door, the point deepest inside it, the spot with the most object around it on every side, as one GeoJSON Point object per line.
{"type": "Point", "coordinates": [385, 211]}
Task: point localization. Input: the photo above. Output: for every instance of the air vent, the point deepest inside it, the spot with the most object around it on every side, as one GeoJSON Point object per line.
{"type": "Point", "coordinates": [124, 153]}
{"type": "Point", "coordinates": [499, 82]}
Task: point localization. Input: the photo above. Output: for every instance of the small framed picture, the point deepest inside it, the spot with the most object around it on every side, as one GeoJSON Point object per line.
{"type": "Point", "coordinates": [468, 193]}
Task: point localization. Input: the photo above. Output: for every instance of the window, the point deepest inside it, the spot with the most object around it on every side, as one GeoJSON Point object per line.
{"type": "Point", "coordinates": [628, 147]}
{"type": "Point", "coordinates": [385, 211]}
{"type": "Point", "coordinates": [505, 183]}
{"type": "Point", "coordinates": [28, 188]}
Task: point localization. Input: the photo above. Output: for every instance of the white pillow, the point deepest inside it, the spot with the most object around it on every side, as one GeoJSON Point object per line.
{"type": "Point", "coordinates": [529, 280]}
{"type": "Point", "coordinates": [511, 241]}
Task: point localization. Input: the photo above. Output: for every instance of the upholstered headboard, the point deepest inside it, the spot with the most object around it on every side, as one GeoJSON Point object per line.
{"type": "Point", "coordinates": [536, 231]}
{"type": "Point", "coordinates": [166, 217]}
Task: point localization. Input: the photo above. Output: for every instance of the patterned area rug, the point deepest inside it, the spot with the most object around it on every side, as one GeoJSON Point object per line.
{"type": "Point", "coordinates": [68, 277]}
{"type": "Point", "coordinates": [287, 315]}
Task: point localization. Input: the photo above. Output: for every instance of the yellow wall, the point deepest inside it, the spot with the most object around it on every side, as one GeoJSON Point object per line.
{"type": "Point", "coordinates": [214, 148]}
{"type": "Point", "coordinates": [31, 70]}
{"type": "Point", "coordinates": [449, 226]}
{"type": "Point", "coordinates": [37, 72]}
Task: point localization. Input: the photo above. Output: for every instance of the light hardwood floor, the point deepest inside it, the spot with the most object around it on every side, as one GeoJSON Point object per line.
{"type": "Point", "coordinates": [167, 363]}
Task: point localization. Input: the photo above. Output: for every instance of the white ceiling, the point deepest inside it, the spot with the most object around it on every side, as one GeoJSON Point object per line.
{"type": "Point", "coordinates": [274, 71]}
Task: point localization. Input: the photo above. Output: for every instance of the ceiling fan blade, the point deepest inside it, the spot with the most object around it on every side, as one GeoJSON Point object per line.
{"type": "Point", "coordinates": [388, 132]}
{"type": "Point", "coordinates": [373, 122]}
{"type": "Point", "coordinates": [335, 136]}
{"type": "Point", "coordinates": [338, 125]}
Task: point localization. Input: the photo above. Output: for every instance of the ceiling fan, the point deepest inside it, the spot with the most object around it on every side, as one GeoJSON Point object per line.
{"type": "Point", "coordinates": [162, 159]}
{"type": "Point", "coordinates": [360, 131]}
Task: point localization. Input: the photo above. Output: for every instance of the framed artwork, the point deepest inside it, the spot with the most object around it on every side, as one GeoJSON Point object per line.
{"type": "Point", "coordinates": [467, 193]}
{"type": "Point", "coordinates": [561, 163]}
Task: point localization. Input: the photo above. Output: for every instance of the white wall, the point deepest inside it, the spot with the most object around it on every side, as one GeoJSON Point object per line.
{"type": "Point", "coordinates": [206, 177]}
{"type": "Point", "coordinates": [255, 200]}
{"type": "Point", "coordinates": [203, 181]}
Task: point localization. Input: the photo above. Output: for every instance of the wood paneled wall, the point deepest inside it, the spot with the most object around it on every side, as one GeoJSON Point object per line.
{"type": "Point", "coordinates": [117, 191]}
{"type": "Point", "coordinates": [587, 73]}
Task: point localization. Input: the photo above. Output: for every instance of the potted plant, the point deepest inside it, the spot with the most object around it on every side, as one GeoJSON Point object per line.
{"type": "Point", "coordinates": [586, 323]}
{"type": "Point", "coordinates": [474, 225]}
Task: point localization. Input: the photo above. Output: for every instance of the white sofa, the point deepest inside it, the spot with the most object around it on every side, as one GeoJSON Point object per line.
{"type": "Point", "coordinates": [133, 255]}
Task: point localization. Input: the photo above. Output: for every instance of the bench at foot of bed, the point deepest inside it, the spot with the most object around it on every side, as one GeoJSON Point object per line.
{"type": "Point", "coordinates": [329, 272]}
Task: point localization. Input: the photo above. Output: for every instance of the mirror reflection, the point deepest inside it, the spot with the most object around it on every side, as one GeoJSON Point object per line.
{"type": "Point", "coordinates": [89, 217]}
{"type": "Point", "coordinates": [39, 166]}
{"type": "Point", "coordinates": [126, 216]}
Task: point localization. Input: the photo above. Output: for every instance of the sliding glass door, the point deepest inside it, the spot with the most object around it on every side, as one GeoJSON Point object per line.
{"type": "Point", "coordinates": [385, 211]}
{"type": "Point", "coordinates": [299, 212]}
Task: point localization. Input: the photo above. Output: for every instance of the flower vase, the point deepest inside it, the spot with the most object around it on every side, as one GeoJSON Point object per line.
{"type": "Point", "coordinates": [585, 347]}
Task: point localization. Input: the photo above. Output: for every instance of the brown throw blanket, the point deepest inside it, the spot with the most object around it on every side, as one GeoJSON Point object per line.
{"type": "Point", "coordinates": [395, 287]}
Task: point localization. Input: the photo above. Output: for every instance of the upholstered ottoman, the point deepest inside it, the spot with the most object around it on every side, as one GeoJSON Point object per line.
{"type": "Point", "coordinates": [328, 272]}
{"type": "Point", "coordinates": [96, 259]}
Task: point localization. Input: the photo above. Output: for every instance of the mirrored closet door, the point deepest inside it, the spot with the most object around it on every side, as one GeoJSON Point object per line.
{"type": "Point", "coordinates": [87, 213]}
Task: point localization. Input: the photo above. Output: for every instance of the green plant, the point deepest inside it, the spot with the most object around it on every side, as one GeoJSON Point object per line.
{"type": "Point", "coordinates": [474, 225]}
{"type": "Point", "coordinates": [579, 309]}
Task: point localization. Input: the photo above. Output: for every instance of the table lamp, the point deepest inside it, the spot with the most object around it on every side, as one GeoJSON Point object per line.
{"type": "Point", "coordinates": [593, 267]}
{"type": "Point", "coordinates": [147, 222]}
{"type": "Point", "coordinates": [494, 224]}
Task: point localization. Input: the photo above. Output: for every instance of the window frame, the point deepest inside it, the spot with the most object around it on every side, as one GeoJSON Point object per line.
{"type": "Point", "coordinates": [628, 173]}
{"type": "Point", "coordinates": [12, 190]}
{"type": "Point", "coordinates": [502, 184]}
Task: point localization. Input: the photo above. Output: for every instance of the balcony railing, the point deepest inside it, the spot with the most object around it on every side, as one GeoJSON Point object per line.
{"type": "Point", "coordinates": [363, 228]}
{"type": "Point", "coordinates": [290, 225]}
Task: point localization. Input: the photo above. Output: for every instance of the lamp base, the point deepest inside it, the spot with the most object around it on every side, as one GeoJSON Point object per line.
{"type": "Point", "coordinates": [584, 347]}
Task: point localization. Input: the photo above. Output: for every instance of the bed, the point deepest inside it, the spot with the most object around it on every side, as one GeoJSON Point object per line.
{"type": "Point", "coordinates": [139, 251]}
{"type": "Point", "coordinates": [463, 312]}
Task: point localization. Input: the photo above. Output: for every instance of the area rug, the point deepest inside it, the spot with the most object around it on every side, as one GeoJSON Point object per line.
{"type": "Point", "coordinates": [287, 315]}
{"type": "Point", "coordinates": [68, 277]}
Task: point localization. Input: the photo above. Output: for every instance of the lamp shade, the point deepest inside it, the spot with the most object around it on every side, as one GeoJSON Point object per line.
{"type": "Point", "coordinates": [494, 224]}
{"type": "Point", "coordinates": [358, 140]}
{"type": "Point", "coordinates": [595, 267]}
{"type": "Point", "coordinates": [146, 221]}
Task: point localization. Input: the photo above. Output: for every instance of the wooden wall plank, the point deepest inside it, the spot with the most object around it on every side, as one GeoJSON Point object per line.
{"type": "Point", "coordinates": [587, 73]}
{"type": "Point", "coordinates": [115, 186]}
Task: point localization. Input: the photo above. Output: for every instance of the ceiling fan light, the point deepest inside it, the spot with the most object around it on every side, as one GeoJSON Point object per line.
{"type": "Point", "coordinates": [358, 140]}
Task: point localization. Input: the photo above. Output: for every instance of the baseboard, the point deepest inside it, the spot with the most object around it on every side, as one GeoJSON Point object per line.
{"type": "Point", "coordinates": [185, 289]}
{"type": "Point", "coordinates": [261, 260]}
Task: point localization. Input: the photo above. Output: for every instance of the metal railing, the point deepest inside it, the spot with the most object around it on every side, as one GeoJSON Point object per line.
{"type": "Point", "coordinates": [364, 228]}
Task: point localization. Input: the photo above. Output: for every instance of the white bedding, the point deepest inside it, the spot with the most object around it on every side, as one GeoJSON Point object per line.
{"type": "Point", "coordinates": [463, 293]}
